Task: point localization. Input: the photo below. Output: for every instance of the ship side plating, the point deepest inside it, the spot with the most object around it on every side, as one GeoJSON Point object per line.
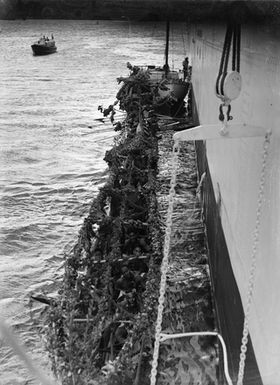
{"type": "Point", "coordinates": [231, 193]}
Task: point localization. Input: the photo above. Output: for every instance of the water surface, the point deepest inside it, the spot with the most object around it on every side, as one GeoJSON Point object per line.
{"type": "Point", "coordinates": [52, 149]}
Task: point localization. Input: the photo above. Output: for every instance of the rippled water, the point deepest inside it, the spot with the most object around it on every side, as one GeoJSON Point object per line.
{"type": "Point", "coordinates": [52, 149]}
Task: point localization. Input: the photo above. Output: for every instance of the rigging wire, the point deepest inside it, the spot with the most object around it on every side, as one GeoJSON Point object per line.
{"type": "Point", "coordinates": [172, 46]}
{"type": "Point", "coordinates": [228, 83]}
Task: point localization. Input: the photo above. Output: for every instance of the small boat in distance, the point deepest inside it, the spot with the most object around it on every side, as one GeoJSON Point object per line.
{"type": "Point", "coordinates": [44, 46]}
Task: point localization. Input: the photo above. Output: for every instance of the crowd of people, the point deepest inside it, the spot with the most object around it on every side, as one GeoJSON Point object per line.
{"type": "Point", "coordinates": [44, 39]}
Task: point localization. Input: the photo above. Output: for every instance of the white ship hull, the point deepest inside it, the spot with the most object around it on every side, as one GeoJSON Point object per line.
{"type": "Point", "coordinates": [235, 170]}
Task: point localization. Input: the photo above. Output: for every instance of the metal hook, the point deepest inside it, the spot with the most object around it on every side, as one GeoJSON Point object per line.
{"type": "Point", "coordinates": [221, 114]}
{"type": "Point", "coordinates": [229, 117]}
{"type": "Point", "coordinates": [224, 129]}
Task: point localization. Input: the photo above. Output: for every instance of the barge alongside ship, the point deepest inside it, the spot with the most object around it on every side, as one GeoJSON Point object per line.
{"type": "Point", "coordinates": [239, 175]}
{"type": "Point", "coordinates": [102, 327]}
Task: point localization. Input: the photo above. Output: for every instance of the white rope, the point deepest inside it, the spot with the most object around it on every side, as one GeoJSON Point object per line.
{"type": "Point", "coordinates": [165, 337]}
{"type": "Point", "coordinates": [245, 333]}
{"type": "Point", "coordinates": [164, 265]}
{"type": "Point", "coordinates": [199, 186]}
{"type": "Point", "coordinates": [188, 100]}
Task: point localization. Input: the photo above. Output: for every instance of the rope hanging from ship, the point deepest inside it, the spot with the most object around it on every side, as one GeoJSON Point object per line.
{"type": "Point", "coordinates": [228, 83]}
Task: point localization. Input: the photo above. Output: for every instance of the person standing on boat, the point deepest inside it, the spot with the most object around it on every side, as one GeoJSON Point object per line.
{"type": "Point", "coordinates": [186, 67]}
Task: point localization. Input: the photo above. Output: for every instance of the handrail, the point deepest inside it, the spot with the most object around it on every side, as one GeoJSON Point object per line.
{"type": "Point", "coordinates": [164, 337]}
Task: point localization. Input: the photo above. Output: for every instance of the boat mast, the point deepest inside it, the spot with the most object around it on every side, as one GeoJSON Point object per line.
{"type": "Point", "coordinates": [166, 66]}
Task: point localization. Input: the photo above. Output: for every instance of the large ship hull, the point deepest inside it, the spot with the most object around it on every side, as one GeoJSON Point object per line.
{"type": "Point", "coordinates": [231, 195]}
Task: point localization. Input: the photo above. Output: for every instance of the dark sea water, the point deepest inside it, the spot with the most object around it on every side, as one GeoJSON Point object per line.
{"type": "Point", "coordinates": [51, 161]}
